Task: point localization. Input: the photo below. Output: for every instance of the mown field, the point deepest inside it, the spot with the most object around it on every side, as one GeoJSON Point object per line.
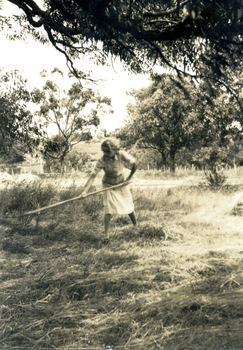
{"type": "Point", "coordinates": [176, 283]}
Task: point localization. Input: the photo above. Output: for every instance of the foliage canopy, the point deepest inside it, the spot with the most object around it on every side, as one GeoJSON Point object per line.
{"type": "Point", "coordinates": [171, 115]}
{"type": "Point", "coordinates": [203, 36]}
{"type": "Point", "coordinates": [18, 132]}
{"type": "Point", "coordinates": [75, 113]}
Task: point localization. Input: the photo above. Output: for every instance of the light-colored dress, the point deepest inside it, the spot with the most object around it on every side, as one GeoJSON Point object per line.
{"type": "Point", "coordinates": [119, 200]}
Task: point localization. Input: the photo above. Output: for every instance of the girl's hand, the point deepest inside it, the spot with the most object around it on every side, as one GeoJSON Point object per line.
{"type": "Point", "coordinates": [128, 179]}
{"type": "Point", "coordinates": [134, 168]}
{"type": "Point", "coordinates": [83, 194]}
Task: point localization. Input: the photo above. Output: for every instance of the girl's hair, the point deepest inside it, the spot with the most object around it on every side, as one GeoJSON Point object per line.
{"type": "Point", "coordinates": [111, 143]}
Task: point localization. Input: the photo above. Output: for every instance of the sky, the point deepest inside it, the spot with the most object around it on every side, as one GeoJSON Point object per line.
{"type": "Point", "coordinates": [32, 57]}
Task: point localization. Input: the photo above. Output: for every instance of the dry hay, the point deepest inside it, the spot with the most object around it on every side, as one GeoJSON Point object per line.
{"type": "Point", "coordinates": [150, 231]}
{"type": "Point", "coordinates": [63, 294]}
{"type": "Point", "coordinates": [141, 291]}
{"type": "Point", "coordinates": [145, 231]}
{"type": "Point", "coordinates": [175, 319]}
{"type": "Point", "coordinates": [6, 181]}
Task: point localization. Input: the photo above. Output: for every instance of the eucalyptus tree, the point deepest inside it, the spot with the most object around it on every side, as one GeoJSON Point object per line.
{"type": "Point", "coordinates": [173, 115]}
{"type": "Point", "coordinates": [19, 133]}
{"type": "Point", "coordinates": [74, 113]}
{"type": "Point", "coordinates": [201, 37]}
{"type": "Point", "coordinates": [161, 117]}
{"type": "Point", "coordinates": [219, 116]}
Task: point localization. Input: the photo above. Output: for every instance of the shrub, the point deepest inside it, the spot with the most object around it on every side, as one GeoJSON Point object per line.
{"type": "Point", "coordinates": [214, 178]}
{"type": "Point", "coordinates": [70, 192]}
{"type": "Point", "coordinates": [22, 198]}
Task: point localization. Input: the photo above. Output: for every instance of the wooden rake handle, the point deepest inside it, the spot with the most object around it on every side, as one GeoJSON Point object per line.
{"type": "Point", "coordinates": [37, 211]}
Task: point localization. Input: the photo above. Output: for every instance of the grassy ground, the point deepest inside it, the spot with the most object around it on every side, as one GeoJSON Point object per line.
{"type": "Point", "coordinates": [176, 283]}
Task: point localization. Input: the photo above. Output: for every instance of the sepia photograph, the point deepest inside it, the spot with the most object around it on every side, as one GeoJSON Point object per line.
{"type": "Point", "coordinates": [121, 174]}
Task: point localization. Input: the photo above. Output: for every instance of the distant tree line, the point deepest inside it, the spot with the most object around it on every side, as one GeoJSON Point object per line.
{"type": "Point", "coordinates": [176, 121]}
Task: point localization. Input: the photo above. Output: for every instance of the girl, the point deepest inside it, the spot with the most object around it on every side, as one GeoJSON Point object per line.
{"type": "Point", "coordinates": [118, 200]}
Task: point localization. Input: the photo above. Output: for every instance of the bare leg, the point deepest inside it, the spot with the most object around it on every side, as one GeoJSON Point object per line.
{"type": "Point", "coordinates": [107, 224]}
{"type": "Point", "coordinates": [133, 218]}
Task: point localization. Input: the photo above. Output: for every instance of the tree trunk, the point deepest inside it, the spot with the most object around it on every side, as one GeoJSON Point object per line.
{"type": "Point", "coordinates": [172, 159]}
{"type": "Point", "coordinates": [62, 165]}
{"type": "Point", "coordinates": [163, 160]}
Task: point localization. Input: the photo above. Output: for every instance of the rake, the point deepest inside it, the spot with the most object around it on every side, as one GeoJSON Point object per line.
{"type": "Point", "coordinates": [39, 210]}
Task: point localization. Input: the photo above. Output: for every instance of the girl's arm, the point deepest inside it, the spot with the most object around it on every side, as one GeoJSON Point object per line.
{"type": "Point", "coordinates": [134, 168]}
{"type": "Point", "coordinates": [88, 184]}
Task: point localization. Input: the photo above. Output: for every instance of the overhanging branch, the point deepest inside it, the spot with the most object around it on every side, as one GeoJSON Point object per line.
{"type": "Point", "coordinates": [165, 13]}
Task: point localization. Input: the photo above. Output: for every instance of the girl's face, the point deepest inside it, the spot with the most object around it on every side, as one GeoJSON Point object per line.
{"type": "Point", "coordinates": [108, 152]}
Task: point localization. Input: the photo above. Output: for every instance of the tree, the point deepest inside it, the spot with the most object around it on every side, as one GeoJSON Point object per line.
{"type": "Point", "coordinates": [159, 118]}
{"type": "Point", "coordinates": [172, 116]}
{"type": "Point", "coordinates": [219, 117]}
{"type": "Point", "coordinates": [19, 133]}
{"type": "Point", "coordinates": [74, 160]}
{"type": "Point", "coordinates": [74, 113]}
{"type": "Point", "coordinates": [200, 35]}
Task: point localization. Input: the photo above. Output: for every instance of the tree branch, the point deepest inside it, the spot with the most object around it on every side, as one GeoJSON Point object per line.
{"type": "Point", "coordinates": [31, 12]}
{"type": "Point", "coordinates": [165, 13]}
